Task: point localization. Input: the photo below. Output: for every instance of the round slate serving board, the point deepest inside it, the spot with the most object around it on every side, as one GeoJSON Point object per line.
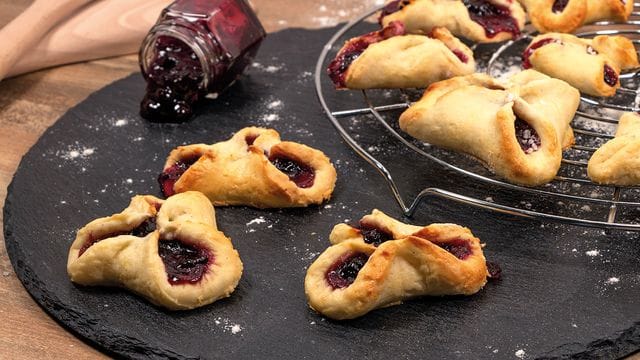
{"type": "Point", "coordinates": [558, 296]}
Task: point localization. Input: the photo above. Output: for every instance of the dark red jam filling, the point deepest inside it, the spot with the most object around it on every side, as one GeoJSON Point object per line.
{"type": "Point", "coordinates": [250, 139]}
{"type": "Point", "coordinates": [345, 270]}
{"type": "Point", "coordinates": [173, 82]}
{"type": "Point", "coordinates": [495, 272]}
{"type": "Point", "coordinates": [559, 6]}
{"type": "Point", "coordinates": [170, 176]}
{"type": "Point", "coordinates": [184, 263]}
{"type": "Point", "coordinates": [148, 226]}
{"type": "Point", "coordinates": [464, 58]}
{"type": "Point", "coordinates": [373, 235]}
{"type": "Point", "coordinates": [533, 47]}
{"type": "Point", "coordinates": [610, 76]}
{"type": "Point", "coordinates": [459, 248]}
{"type": "Point", "coordinates": [355, 47]}
{"type": "Point", "coordinates": [392, 7]}
{"type": "Point", "coordinates": [300, 174]}
{"type": "Point", "coordinates": [493, 18]}
{"type": "Point", "coordinates": [527, 136]}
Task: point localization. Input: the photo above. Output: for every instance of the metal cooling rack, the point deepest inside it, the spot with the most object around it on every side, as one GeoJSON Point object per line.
{"type": "Point", "coordinates": [593, 125]}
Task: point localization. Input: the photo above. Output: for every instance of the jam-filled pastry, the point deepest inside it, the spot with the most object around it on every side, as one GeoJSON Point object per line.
{"type": "Point", "coordinates": [252, 168]}
{"type": "Point", "coordinates": [566, 16]}
{"type": "Point", "coordinates": [477, 20]}
{"type": "Point", "coordinates": [169, 252]}
{"type": "Point", "coordinates": [518, 128]}
{"type": "Point", "coordinates": [591, 65]}
{"type": "Point", "coordinates": [383, 262]}
{"type": "Point", "coordinates": [389, 58]}
{"type": "Point", "coordinates": [617, 162]}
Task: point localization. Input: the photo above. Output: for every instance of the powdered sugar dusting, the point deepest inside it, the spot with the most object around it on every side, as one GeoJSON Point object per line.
{"type": "Point", "coordinates": [612, 280]}
{"type": "Point", "coordinates": [593, 253]}
{"type": "Point", "coordinates": [258, 220]}
{"type": "Point", "coordinates": [76, 153]}
{"type": "Point", "coordinates": [228, 326]}
{"type": "Point", "coordinates": [520, 354]}
{"type": "Point", "coordinates": [120, 122]}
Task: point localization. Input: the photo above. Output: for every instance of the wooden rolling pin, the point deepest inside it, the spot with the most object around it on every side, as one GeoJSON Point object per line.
{"type": "Point", "coordinates": [100, 29]}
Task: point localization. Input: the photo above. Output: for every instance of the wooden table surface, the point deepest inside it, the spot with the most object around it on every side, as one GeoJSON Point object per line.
{"type": "Point", "coordinates": [30, 103]}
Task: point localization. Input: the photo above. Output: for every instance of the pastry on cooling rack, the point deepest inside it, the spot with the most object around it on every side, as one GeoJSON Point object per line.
{"type": "Point", "coordinates": [253, 168]}
{"type": "Point", "coordinates": [389, 58]}
{"type": "Point", "coordinates": [477, 20]}
{"type": "Point", "coordinates": [567, 15]}
{"type": "Point", "coordinates": [384, 261]}
{"type": "Point", "coordinates": [170, 252]}
{"type": "Point", "coordinates": [518, 127]}
{"type": "Point", "coordinates": [591, 65]}
{"type": "Point", "coordinates": [617, 162]}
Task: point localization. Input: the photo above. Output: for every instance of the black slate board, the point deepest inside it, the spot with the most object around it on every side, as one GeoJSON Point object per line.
{"type": "Point", "coordinates": [554, 300]}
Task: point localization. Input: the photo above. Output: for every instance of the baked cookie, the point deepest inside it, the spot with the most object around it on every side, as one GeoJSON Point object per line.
{"type": "Point", "coordinates": [384, 261]}
{"type": "Point", "coordinates": [480, 21]}
{"type": "Point", "coordinates": [390, 59]}
{"type": "Point", "coordinates": [618, 161]}
{"type": "Point", "coordinates": [593, 66]}
{"type": "Point", "coordinates": [518, 127]}
{"type": "Point", "coordinates": [169, 252]}
{"type": "Point", "coordinates": [252, 168]}
{"type": "Point", "coordinates": [566, 16]}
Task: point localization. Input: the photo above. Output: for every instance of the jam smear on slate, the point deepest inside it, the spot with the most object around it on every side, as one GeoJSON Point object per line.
{"type": "Point", "coordinates": [610, 76]}
{"type": "Point", "coordinates": [527, 136]}
{"type": "Point", "coordinates": [337, 69]}
{"type": "Point", "coordinates": [495, 272]}
{"type": "Point", "coordinates": [493, 18]}
{"type": "Point", "coordinates": [145, 228]}
{"type": "Point", "coordinates": [184, 263]}
{"type": "Point", "coordinates": [173, 82]}
{"type": "Point", "coordinates": [373, 235]}
{"type": "Point", "coordinates": [170, 176]}
{"type": "Point", "coordinates": [345, 270]}
{"type": "Point", "coordinates": [559, 6]}
{"type": "Point", "coordinates": [533, 47]}
{"type": "Point", "coordinates": [300, 174]}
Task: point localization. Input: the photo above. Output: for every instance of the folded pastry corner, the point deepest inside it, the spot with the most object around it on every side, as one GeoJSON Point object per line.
{"type": "Point", "coordinates": [253, 168]}
{"type": "Point", "coordinates": [389, 58]}
{"type": "Point", "coordinates": [566, 16]}
{"type": "Point", "coordinates": [169, 252]}
{"type": "Point", "coordinates": [384, 261]}
{"type": "Point", "coordinates": [477, 20]}
{"type": "Point", "coordinates": [517, 128]}
{"type": "Point", "coordinates": [617, 162]}
{"type": "Point", "coordinates": [593, 66]}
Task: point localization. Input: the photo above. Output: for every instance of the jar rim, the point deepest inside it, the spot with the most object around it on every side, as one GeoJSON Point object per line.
{"type": "Point", "coordinates": [175, 31]}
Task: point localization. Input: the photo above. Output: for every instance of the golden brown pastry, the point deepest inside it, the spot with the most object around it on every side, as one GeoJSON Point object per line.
{"type": "Point", "coordinates": [591, 65]}
{"type": "Point", "coordinates": [391, 59]}
{"type": "Point", "coordinates": [477, 20]}
{"type": "Point", "coordinates": [384, 261]}
{"type": "Point", "coordinates": [518, 128]}
{"type": "Point", "coordinates": [169, 252]}
{"type": "Point", "coordinates": [252, 168]}
{"type": "Point", "coordinates": [566, 16]}
{"type": "Point", "coordinates": [618, 161]}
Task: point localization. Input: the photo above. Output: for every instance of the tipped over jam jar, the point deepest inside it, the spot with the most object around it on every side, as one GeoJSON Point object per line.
{"type": "Point", "coordinates": [197, 47]}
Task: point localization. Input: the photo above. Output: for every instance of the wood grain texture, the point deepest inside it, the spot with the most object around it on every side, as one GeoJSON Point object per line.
{"type": "Point", "coordinates": [30, 103]}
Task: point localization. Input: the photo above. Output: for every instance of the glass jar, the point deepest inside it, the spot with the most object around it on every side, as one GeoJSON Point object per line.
{"type": "Point", "coordinates": [197, 47]}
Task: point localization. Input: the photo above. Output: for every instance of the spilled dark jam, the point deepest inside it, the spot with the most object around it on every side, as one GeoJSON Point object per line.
{"type": "Point", "coordinates": [527, 136]}
{"type": "Point", "coordinates": [168, 178]}
{"type": "Point", "coordinates": [355, 47]}
{"type": "Point", "coordinates": [459, 248]}
{"type": "Point", "coordinates": [184, 263]}
{"type": "Point", "coordinates": [345, 270]}
{"type": "Point", "coordinates": [526, 63]}
{"type": "Point", "coordinates": [495, 272]}
{"type": "Point", "coordinates": [373, 235]}
{"type": "Point", "coordinates": [145, 228]}
{"type": "Point", "coordinates": [610, 76]}
{"type": "Point", "coordinates": [493, 18]}
{"type": "Point", "coordinates": [464, 58]}
{"type": "Point", "coordinates": [301, 174]}
{"type": "Point", "coordinates": [559, 6]}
